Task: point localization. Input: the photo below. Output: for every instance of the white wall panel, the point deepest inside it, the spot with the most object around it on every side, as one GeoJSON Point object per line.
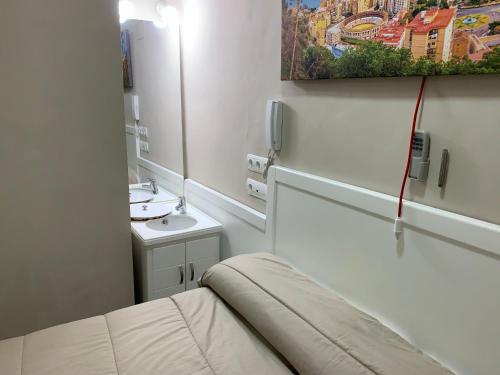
{"type": "Point", "coordinates": [438, 285]}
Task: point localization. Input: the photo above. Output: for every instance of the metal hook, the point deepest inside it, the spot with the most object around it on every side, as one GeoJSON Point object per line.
{"type": "Point", "coordinates": [443, 172]}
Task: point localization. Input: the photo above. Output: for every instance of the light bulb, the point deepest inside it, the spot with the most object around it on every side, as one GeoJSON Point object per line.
{"type": "Point", "coordinates": [127, 10]}
{"type": "Point", "coordinates": [168, 13]}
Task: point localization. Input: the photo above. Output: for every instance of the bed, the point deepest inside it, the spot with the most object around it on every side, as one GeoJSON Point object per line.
{"type": "Point", "coordinates": [253, 314]}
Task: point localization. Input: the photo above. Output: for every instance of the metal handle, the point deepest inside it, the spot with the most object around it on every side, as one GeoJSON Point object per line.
{"type": "Point", "coordinates": [181, 270]}
{"type": "Point", "coordinates": [191, 265]}
{"type": "Point", "coordinates": [443, 173]}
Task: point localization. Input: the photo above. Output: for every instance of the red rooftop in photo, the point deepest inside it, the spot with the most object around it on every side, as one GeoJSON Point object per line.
{"type": "Point", "coordinates": [425, 21]}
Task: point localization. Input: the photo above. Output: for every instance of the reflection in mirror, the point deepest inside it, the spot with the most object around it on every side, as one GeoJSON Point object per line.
{"type": "Point", "coordinates": [152, 98]}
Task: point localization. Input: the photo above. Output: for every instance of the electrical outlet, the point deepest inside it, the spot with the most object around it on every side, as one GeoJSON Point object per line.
{"type": "Point", "coordinates": [256, 163]}
{"type": "Point", "coordinates": [143, 131]}
{"type": "Point", "coordinates": [257, 189]}
{"type": "Point", "coordinates": [144, 146]}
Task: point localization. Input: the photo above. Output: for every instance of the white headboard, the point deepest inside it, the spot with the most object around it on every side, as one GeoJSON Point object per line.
{"type": "Point", "coordinates": [438, 286]}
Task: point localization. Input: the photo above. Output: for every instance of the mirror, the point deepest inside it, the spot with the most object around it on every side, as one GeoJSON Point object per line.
{"type": "Point", "coordinates": [152, 87]}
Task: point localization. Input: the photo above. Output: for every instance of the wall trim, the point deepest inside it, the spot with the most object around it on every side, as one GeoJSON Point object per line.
{"type": "Point", "coordinates": [473, 232]}
{"type": "Point", "coordinates": [167, 178]}
{"type": "Point", "coordinates": [467, 230]}
{"type": "Point", "coordinates": [240, 210]}
{"type": "Point", "coordinates": [130, 130]}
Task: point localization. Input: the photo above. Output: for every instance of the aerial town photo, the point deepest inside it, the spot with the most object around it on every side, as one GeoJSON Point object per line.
{"type": "Point", "coordinates": [323, 39]}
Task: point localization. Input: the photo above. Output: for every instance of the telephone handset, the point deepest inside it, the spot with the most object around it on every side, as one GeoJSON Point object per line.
{"type": "Point", "coordinates": [274, 125]}
{"type": "Point", "coordinates": [135, 108]}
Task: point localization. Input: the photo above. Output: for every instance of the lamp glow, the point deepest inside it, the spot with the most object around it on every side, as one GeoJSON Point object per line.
{"type": "Point", "coordinates": [168, 13]}
{"type": "Point", "coordinates": [159, 24]}
{"type": "Point", "coordinates": [127, 10]}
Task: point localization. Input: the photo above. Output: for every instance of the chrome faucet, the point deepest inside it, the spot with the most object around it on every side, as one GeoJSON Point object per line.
{"type": "Point", "coordinates": [181, 206]}
{"type": "Point", "coordinates": [153, 185]}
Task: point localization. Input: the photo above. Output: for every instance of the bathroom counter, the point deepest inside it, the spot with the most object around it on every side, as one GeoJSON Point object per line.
{"type": "Point", "coordinates": [150, 232]}
{"type": "Point", "coordinates": [193, 223]}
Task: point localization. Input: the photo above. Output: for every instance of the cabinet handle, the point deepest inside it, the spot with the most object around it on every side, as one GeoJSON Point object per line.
{"type": "Point", "coordinates": [191, 265]}
{"type": "Point", "coordinates": [181, 270]}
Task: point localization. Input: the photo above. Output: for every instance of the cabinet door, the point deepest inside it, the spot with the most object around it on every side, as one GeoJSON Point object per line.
{"type": "Point", "coordinates": [202, 249]}
{"type": "Point", "coordinates": [169, 256]}
{"type": "Point", "coordinates": [167, 271]}
{"type": "Point", "coordinates": [200, 256]}
{"type": "Point", "coordinates": [195, 270]}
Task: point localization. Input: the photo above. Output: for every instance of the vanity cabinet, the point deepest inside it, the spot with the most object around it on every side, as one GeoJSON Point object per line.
{"type": "Point", "coordinates": [201, 254]}
{"type": "Point", "coordinates": [167, 269]}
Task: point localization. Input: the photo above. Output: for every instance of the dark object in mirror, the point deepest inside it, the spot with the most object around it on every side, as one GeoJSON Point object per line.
{"type": "Point", "coordinates": [128, 81]}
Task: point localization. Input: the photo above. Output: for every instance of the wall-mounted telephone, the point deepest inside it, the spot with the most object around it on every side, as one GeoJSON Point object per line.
{"type": "Point", "coordinates": [135, 108]}
{"type": "Point", "coordinates": [274, 124]}
{"type": "Point", "coordinates": [419, 169]}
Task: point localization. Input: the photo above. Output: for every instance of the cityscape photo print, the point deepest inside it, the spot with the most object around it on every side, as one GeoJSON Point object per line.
{"type": "Point", "coordinates": [324, 39]}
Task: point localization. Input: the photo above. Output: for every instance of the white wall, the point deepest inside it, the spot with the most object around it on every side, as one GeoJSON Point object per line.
{"type": "Point", "coordinates": [353, 130]}
{"type": "Point", "coordinates": [146, 9]}
{"type": "Point", "coordinates": [65, 250]}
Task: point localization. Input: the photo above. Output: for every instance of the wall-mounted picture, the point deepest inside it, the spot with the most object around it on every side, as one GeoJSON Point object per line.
{"type": "Point", "coordinates": [325, 39]}
{"type": "Point", "coordinates": [128, 81]}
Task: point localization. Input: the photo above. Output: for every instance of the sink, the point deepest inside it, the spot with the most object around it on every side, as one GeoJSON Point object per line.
{"type": "Point", "coordinates": [172, 223]}
{"type": "Point", "coordinates": [174, 227]}
{"type": "Point", "coordinates": [137, 195]}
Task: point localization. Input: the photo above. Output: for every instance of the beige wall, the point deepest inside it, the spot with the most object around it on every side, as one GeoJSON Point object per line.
{"type": "Point", "coordinates": [157, 82]}
{"type": "Point", "coordinates": [65, 248]}
{"type": "Point", "coordinates": [354, 130]}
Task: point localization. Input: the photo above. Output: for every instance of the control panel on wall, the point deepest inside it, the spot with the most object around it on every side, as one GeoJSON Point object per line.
{"type": "Point", "coordinates": [419, 168]}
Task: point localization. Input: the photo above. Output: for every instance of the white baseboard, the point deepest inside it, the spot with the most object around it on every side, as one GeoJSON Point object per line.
{"type": "Point", "coordinates": [244, 227]}
{"type": "Point", "coordinates": [235, 208]}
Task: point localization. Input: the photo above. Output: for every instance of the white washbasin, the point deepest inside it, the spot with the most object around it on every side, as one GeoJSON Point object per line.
{"type": "Point", "coordinates": [172, 223]}
{"type": "Point", "coordinates": [138, 195]}
{"type": "Point", "coordinates": [176, 227]}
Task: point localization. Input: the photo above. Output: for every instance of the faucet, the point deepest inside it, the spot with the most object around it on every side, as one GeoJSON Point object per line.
{"type": "Point", "coordinates": [181, 206]}
{"type": "Point", "coordinates": [153, 185]}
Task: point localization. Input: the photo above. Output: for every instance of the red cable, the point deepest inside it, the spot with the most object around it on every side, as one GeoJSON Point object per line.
{"type": "Point", "coordinates": [408, 162]}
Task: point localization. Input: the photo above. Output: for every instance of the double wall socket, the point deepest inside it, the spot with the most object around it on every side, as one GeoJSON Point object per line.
{"type": "Point", "coordinates": [257, 189]}
{"type": "Point", "coordinates": [256, 163]}
{"type": "Point", "coordinates": [143, 131]}
{"type": "Point", "coordinates": [144, 146]}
